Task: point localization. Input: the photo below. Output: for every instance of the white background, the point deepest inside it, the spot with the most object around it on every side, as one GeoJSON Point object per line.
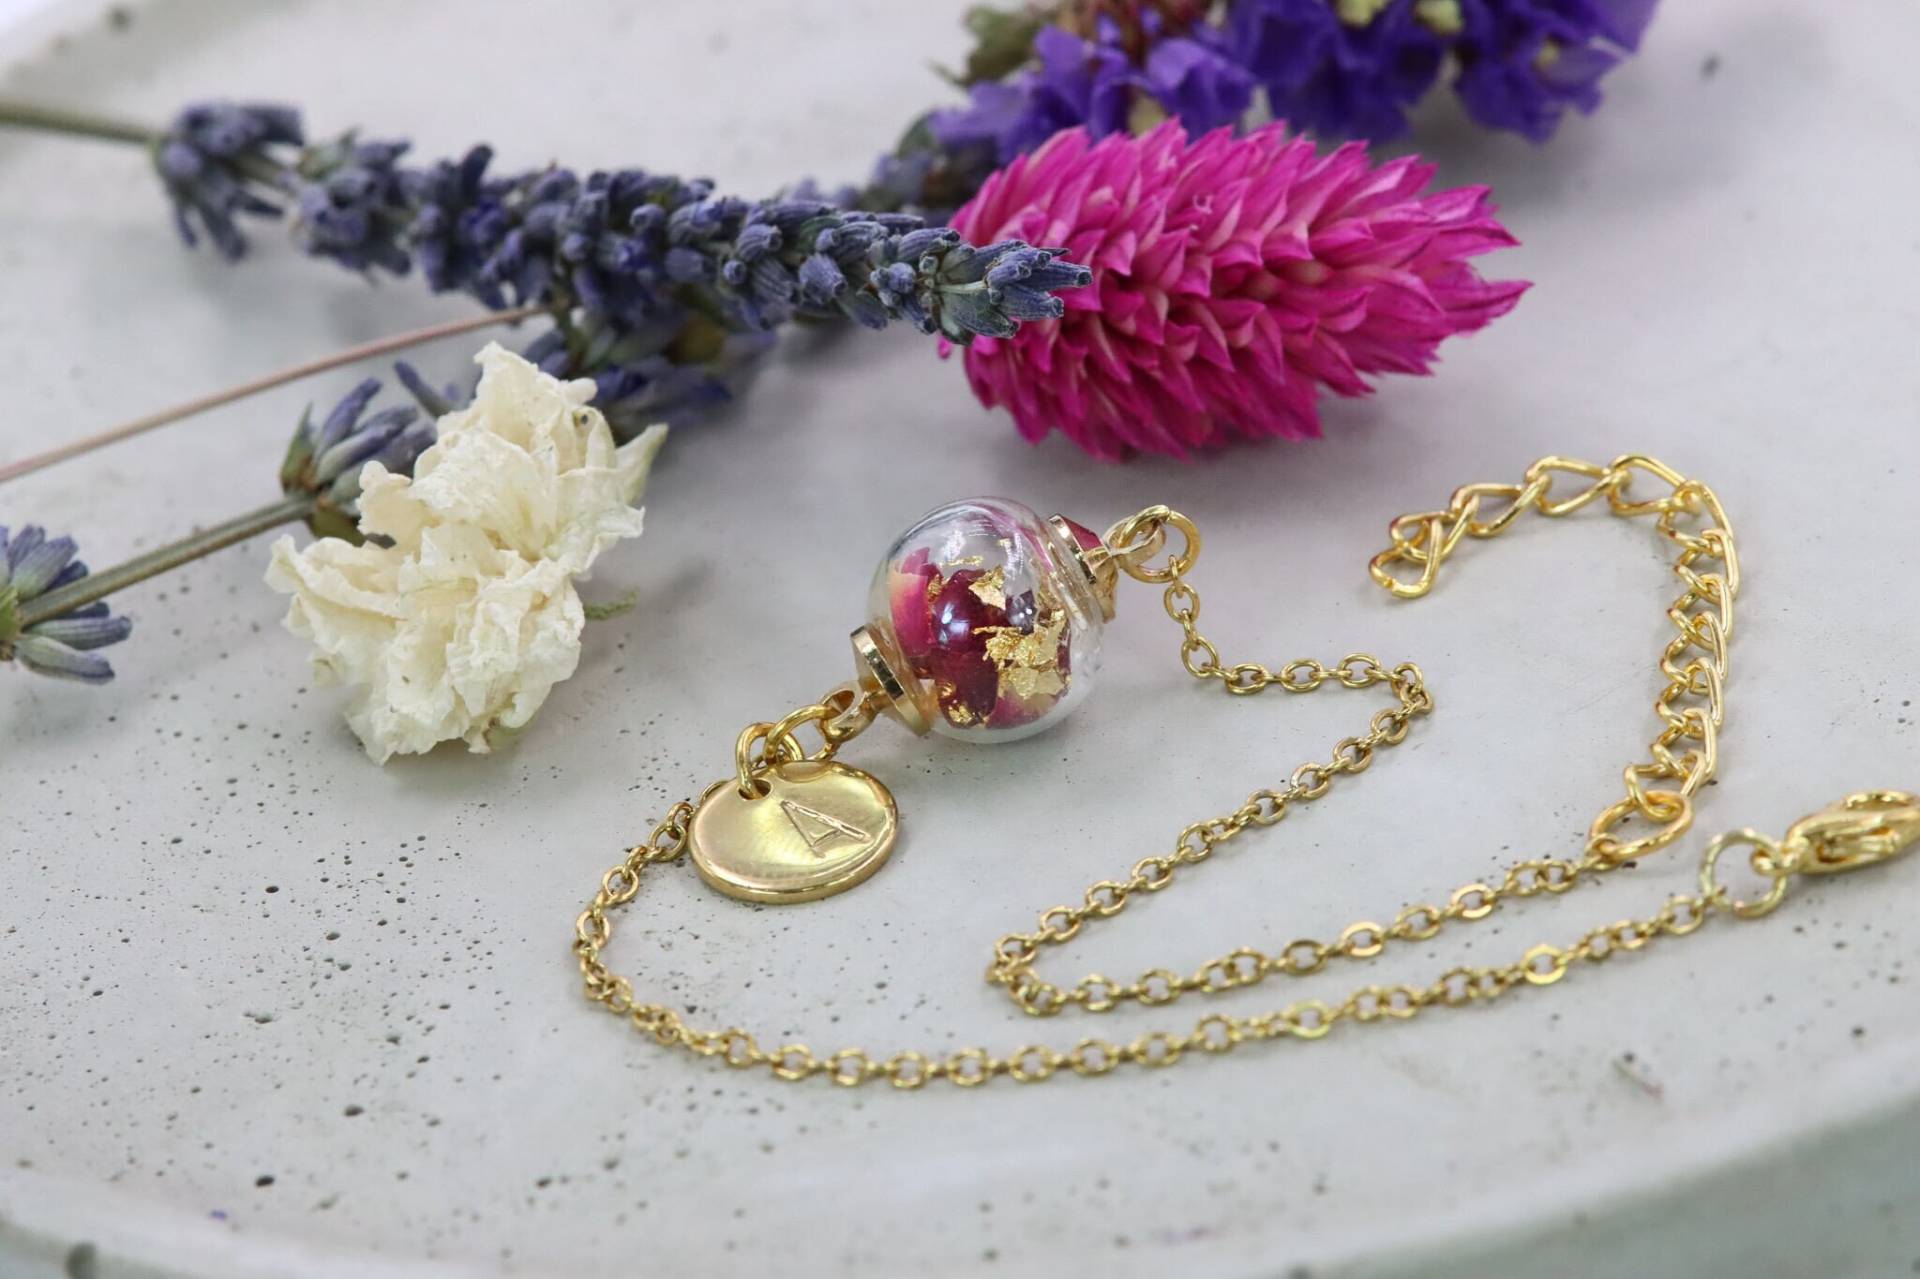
{"type": "Point", "coordinates": [1726, 261]}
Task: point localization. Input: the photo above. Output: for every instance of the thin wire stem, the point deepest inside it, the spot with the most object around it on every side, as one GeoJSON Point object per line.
{"type": "Point", "coordinates": [292, 373]}
{"type": "Point", "coordinates": [97, 586]}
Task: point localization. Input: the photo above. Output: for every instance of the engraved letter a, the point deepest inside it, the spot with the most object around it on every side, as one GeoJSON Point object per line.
{"type": "Point", "coordinates": [816, 827]}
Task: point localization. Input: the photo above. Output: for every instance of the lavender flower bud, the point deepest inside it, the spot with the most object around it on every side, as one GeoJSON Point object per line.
{"type": "Point", "coordinates": [325, 459]}
{"type": "Point", "coordinates": [893, 281]}
{"type": "Point", "coordinates": [221, 161]}
{"type": "Point", "coordinates": [370, 438]}
{"type": "Point", "coordinates": [755, 241]}
{"type": "Point", "coordinates": [1021, 303]}
{"type": "Point", "coordinates": [339, 423]}
{"type": "Point", "coordinates": [454, 230]}
{"type": "Point", "coordinates": [32, 565]}
{"type": "Point", "coordinates": [351, 205]}
{"type": "Point", "coordinates": [821, 280]}
{"type": "Point", "coordinates": [434, 401]}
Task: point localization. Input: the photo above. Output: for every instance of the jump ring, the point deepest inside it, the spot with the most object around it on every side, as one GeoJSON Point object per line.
{"type": "Point", "coordinates": [1767, 860]}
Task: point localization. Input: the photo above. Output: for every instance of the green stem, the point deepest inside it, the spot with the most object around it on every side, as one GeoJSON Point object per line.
{"type": "Point", "coordinates": [34, 115]}
{"type": "Point", "coordinates": [96, 586]}
{"type": "Point", "coordinates": [258, 168]}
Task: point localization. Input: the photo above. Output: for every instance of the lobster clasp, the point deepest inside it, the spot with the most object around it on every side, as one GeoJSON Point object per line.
{"type": "Point", "coordinates": [1859, 831]}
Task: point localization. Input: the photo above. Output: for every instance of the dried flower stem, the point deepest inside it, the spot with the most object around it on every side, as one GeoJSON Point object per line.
{"type": "Point", "coordinates": [292, 373]}
{"type": "Point", "coordinates": [96, 586]}
{"type": "Point", "coordinates": [33, 115]}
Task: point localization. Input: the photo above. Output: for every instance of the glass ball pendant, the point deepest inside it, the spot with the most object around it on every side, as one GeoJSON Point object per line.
{"type": "Point", "coordinates": [990, 617]}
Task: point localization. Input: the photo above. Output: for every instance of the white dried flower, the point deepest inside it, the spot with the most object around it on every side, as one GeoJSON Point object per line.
{"type": "Point", "coordinates": [462, 625]}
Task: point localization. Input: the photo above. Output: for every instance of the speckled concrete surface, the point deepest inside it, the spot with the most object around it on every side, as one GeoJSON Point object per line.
{"type": "Point", "coordinates": [269, 1010]}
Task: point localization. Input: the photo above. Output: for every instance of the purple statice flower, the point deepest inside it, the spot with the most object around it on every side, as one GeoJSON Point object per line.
{"type": "Point", "coordinates": [221, 161]}
{"type": "Point", "coordinates": [1335, 77]}
{"type": "Point", "coordinates": [1355, 68]}
{"type": "Point", "coordinates": [326, 454]}
{"type": "Point", "coordinates": [32, 565]}
{"type": "Point", "coordinates": [1195, 80]}
{"type": "Point", "coordinates": [1524, 62]}
{"type": "Point", "coordinates": [1096, 84]}
{"type": "Point", "coordinates": [351, 204]}
{"type": "Point", "coordinates": [1089, 82]}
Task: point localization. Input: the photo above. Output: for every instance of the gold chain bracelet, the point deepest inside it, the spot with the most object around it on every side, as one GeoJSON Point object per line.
{"type": "Point", "coordinates": [789, 826]}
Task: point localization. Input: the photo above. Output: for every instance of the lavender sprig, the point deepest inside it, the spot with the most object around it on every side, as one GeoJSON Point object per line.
{"type": "Point", "coordinates": [618, 253]}
{"type": "Point", "coordinates": [53, 612]}
{"type": "Point", "coordinates": [662, 291]}
{"type": "Point", "coordinates": [633, 252]}
{"type": "Point", "coordinates": [33, 565]}
{"type": "Point", "coordinates": [640, 251]}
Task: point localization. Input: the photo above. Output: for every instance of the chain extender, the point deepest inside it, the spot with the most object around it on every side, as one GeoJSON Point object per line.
{"type": "Point", "coordinates": [1658, 792]}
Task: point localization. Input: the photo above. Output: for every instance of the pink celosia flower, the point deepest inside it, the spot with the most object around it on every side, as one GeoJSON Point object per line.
{"type": "Point", "coordinates": [1233, 277]}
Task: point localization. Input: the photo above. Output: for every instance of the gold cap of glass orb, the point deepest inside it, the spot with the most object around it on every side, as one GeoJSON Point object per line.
{"type": "Point", "coordinates": [1091, 556]}
{"type": "Point", "coordinates": [881, 671]}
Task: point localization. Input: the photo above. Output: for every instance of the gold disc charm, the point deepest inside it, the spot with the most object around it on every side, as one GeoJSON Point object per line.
{"type": "Point", "coordinates": [819, 828]}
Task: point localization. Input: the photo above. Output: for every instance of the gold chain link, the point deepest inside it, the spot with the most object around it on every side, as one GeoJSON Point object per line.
{"type": "Point", "coordinates": [842, 715]}
{"type": "Point", "coordinates": [1659, 792]}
